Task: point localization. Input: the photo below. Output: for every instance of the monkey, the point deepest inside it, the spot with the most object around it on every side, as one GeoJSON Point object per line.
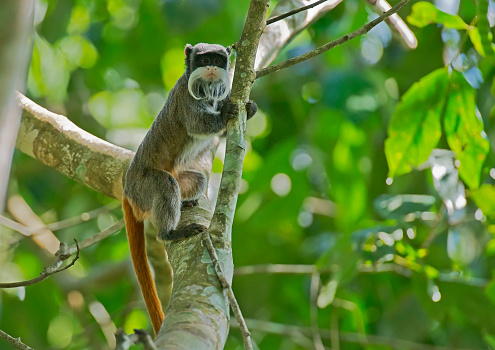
{"type": "Point", "coordinates": [168, 170]}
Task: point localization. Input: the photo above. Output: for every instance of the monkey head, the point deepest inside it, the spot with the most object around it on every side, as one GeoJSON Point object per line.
{"type": "Point", "coordinates": [207, 71]}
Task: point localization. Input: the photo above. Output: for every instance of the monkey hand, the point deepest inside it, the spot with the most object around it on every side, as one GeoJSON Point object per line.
{"type": "Point", "coordinates": [230, 110]}
{"type": "Point", "coordinates": [251, 109]}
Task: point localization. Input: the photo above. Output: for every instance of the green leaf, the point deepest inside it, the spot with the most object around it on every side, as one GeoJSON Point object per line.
{"type": "Point", "coordinates": [474, 35]}
{"type": "Point", "coordinates": [485, 34]}
{"type": "Point", "coordinates": [415, 129]}
{"type": "Point", "coordinates": [424, 13]}
{"type": "Point", "coordinates": [398, 206]}
{"type": "Point", "coordinates": [464, 130]}
{"type": "Point", "coordinates": [79, 51]}
{"type": "Point", "coordinates": [484, 197]}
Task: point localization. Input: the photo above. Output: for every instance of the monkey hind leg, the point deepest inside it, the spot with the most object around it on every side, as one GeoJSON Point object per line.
{"type": "Point", "coordinates": [157, 192]}
{"type": "Point", "coordinates": [192, 185]}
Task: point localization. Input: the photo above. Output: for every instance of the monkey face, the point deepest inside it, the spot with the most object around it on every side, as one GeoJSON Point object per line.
{"type": "Point", "coordinates": [210, 64]}
{"type": "Point", "coordinates": [207, 67]}
{"type": "Point", "coordinates": [209, 83]}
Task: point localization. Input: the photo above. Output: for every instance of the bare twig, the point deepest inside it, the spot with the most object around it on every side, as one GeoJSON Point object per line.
{"type": "Point", "coordinates": [124, 341]}
{"type": "Point", "coordinates": [27, 231]}
{"type": "Point", "coordinates": [83, 217]}
{"type": "Point", "coordinates": [22, 212]}
{"type": "Point", "coordinates": [293, 12]}
{"type": "Point", "coordinates": [62, 255]}
{"type": "Point", "coordinates": [349, 337]}
{"type": "Point", "coordinates": [318, 51]}
{"type": "Point", "coordinates": [380, 268]}
{"type": "Point", "coordinates": [313, 309]}
{"type": "Point", "coordinates": [145, 339]}
{"type": "Point", "coordinates": [246, 335]}
{"type": "Point", "coordinates": [397, 23]}
{"type": "Point", "coordinates": [14, 225]}
{"type": "Point", "coordinates": [15, 342]}
{"type": "Point", "coordinates": [98, 237]}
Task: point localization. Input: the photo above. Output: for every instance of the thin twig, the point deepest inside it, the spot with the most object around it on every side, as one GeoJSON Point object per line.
{"type": "Point", "coordinates": [14, 225]}
{"type": "Point", "coordinates": [140, 336]}
{"type": "Point", "coordinates": [371, 339]}
{"type": "Point", "coordinates": [358, 32]}
{"type": "Point", "coordinates": [246, 335]}
{"type": "Point", "coordinates": [98, 237]}
{"type": "Point", "coordinates": [145, 339]}
{"type": "Point", "coordinates": [293, 12]}
{"type": "Point", "coordinates": [380, 268]}
{"type": "Point", "coordinates": [15, 342]}
{"type": "Point", "coordinates": [313, 310]}
{"type": "Point", "coordinates": [397, 23]}
{"type": "Point", "coordinates": [123, 340]}
{"type": "Point", "coordinates": [62, 255]}
{"type": "Point", "coordinates": [83, 217]}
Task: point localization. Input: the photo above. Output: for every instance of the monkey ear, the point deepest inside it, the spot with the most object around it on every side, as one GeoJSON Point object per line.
{"type": "Point", "coordinates": [188, 50]}
{"type": "Point", "coordinates": [229, 50]}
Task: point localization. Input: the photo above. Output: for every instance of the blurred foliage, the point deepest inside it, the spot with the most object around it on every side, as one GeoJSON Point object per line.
{"type": "Point", "coordinates": [358, 162]}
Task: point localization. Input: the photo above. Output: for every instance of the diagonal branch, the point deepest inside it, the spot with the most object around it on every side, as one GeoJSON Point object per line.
{"type": "Point", "coordinates": [318, 51]}
{"type": "Point", "coordinates": [63, 255]}
{"type": "Point", "coordinates": [15, 342]}
{"type": "Point", "coordinates": [293, 12]}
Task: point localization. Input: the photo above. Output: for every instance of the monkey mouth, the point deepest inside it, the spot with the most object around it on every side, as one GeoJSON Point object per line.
{"type": "Point", "coordinates": [211, 76]}
{"type": "Point", "coordinates": [209, 85]}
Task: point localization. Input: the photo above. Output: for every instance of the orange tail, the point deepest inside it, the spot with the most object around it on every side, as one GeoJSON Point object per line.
{"type": "Point", "coordinates": [135, 235]}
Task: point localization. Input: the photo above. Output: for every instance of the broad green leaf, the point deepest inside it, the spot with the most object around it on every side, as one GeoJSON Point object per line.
{"type": "Point", "coordinates": [424, 13]}
{"type": "Point", "coordinates": [415, 129]}
{"type": "Point", "coordinates": [464, 130]}
{"type": "Point", "coordinates": [484, 197]}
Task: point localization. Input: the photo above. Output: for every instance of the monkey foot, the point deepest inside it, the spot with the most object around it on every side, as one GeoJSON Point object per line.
{"type": "Point", "coordinates": [182, 232]}
{"type": "Point", "coordinates": [190, 203]}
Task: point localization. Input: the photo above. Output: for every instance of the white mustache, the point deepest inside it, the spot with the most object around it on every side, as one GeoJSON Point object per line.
{"type": "Point", "coordinates": [215, 90]}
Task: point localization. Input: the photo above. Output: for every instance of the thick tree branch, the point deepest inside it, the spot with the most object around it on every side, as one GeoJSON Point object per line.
{"type": "Point", "coordinates": [318, 51]}
{"type": "Point", "coordinates": [57, 142]}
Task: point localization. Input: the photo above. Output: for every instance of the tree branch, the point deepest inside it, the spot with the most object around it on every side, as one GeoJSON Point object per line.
{"type": "Point", "coordinates": [276, 35]}
{"type": "Point", "coordinates": [246, 335]}
{"type": "Point", "coordinates": [318, 51]}
{"type": "Point", "coordinates": [16, 22]}
{"type": "Point", "coordinates": [293, 12]}
{"type": "Point", "coordinates": [58, 143]}
{"type": "Point", "coordinates": [62, 255]}
{"type": "Point", "coordinates": [15, 342]}
{"type": "Point", "coordinates": [371, 339]}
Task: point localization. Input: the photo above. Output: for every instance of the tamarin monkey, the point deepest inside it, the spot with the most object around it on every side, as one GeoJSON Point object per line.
{"type": "Point", "coordinates": [167, 171]}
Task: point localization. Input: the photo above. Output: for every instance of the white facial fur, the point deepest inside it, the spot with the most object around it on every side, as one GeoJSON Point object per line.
{"type": "Point", "coordinates": [214, 89]}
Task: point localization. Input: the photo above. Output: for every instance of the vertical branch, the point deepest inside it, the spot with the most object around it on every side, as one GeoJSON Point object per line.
{"type": "Point", "coordinates": [244, 77]}
{"type": "Point", "coordinates": [16, 21]}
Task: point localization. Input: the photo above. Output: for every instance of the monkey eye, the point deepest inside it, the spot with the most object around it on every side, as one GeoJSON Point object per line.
{"type": "Point", "coordinates": [205, 60]}
{"type": "Point", "coordinates": [218, 61]}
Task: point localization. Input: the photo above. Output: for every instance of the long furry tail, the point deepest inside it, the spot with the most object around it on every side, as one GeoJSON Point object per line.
{"type": "Point", "coordinates": [137, 245]}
